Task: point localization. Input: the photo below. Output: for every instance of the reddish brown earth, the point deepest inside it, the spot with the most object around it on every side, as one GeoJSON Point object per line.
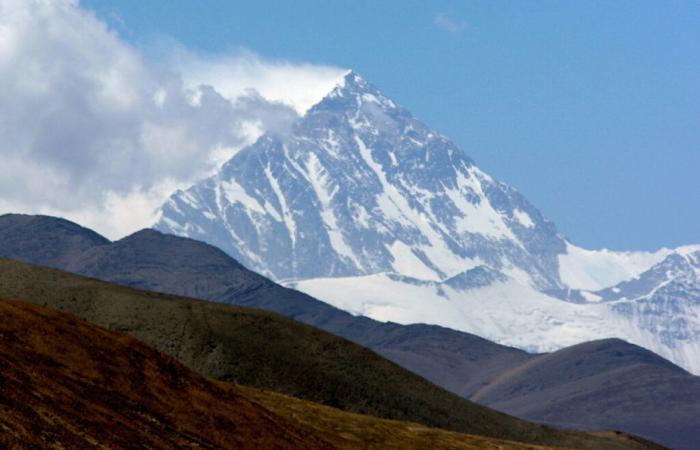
{"type": "Point", "coordinates": [65, 383]}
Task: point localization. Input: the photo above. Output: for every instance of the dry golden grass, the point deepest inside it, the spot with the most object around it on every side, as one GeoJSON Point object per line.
{"type": "Point", "coordinates": [355, 431]}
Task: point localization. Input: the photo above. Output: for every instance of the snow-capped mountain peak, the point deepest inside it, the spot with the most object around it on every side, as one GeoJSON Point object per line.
{"type": "Point", "coordinates": [359, 187]}
{"type": "Point", "coordinates": [366, 207]}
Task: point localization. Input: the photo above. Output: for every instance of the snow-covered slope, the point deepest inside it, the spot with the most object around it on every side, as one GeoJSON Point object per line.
{"type": "Point", "coordinates": [664, 304]}
{"type": "Point", "coordinates": [505, 311]}
{"type": "Point", "coordinates": [664, 318]}
{"type": "Point", "coordinates": [365, 207]}
{"type": "Point", "coordinates": [597, 269]}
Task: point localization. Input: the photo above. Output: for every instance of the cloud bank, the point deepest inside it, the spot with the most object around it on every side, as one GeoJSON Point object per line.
{"type": "Point", "coordinates": [298, 85]}
{"type": "Point", "coordinates": [91, 131]}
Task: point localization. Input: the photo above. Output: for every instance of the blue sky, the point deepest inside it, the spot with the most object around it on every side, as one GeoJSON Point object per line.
{"type": "Point", "coordinates": [591, 109]}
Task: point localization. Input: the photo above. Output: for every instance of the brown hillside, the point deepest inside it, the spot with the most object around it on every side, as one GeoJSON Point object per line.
{"type": "Point", "coordinates": [65, 383]}
{"type": "Point", "coordinates": [69, 384]}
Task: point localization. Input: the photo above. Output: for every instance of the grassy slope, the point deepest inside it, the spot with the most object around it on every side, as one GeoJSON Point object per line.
{"type": "Point", "coordinates": [65, 383]}
{"type": "Point", "coordinates": [268, 351]}
{"type": "Point", "coordinates": [348, 431]}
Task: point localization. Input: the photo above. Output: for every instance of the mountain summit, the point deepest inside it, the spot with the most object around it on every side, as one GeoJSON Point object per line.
{"type": "Point", "coordinates": [365, 207]}
{"type": "Point", "coordinates": [361, 187]}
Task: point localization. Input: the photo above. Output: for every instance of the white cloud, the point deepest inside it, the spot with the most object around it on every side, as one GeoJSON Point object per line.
{"type": "Point", "coordinates": [298, 85]}
{"type": "Point", "coordinates": [450, 24]}
{"type": "Point", "coordinates": [92, 131]}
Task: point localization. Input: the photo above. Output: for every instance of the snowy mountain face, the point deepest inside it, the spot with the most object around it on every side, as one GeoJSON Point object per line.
{"type": "Point", "coordinates": [365, 207]}
{"type": "Point", "coordinates": [361, 187]}
{"type": "Point", "coordinates": [664, 302]}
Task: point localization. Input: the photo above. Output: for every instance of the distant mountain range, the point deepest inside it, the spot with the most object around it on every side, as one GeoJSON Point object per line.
{"type": "Point", "coordinates": [368, 209]}
{"type": "Point", "coordinates": [603, 384]}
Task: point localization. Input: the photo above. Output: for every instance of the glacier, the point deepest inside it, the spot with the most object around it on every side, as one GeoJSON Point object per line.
{"type": "Point", "coordinates": [365, 207]}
